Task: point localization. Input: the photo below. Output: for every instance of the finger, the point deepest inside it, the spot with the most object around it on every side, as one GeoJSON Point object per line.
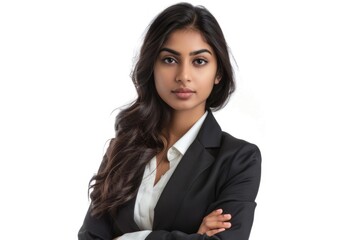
{"type": "Point", "coordinates": [218, 218]}
{"type": "Point", "coordinates": [224, 217]}
{"type": "Point", "coordinates": [214, 231]}
{"type": "Point", "coordinates": [215, 212]}
{"type": "Point", "coordinates": [217, 224]}
{"type": "Point", "coordinates": [215, 220]}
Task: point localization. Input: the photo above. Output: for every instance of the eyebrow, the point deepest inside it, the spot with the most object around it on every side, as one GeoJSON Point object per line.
{"type": "Point", "coordinates": [191, 53]}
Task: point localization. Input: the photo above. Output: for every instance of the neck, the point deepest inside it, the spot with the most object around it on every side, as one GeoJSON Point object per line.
{"type": "Point", "coordinates": [181, 122]}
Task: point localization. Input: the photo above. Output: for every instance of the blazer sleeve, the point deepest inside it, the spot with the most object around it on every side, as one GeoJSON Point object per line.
{"type": "Point", "coordinates": [236, 195]}
{"type": "Point", "coordinates": [94, 228]}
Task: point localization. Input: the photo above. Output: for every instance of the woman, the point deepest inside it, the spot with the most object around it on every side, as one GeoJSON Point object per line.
{"type": "Point", "coordinates": [170, 172]}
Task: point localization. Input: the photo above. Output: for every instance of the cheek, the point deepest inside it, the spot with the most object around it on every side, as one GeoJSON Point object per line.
{"type": "Point", "coordinates": [207, 81]}
{"type": "Point", "coordinates": [160, 74]}
{"type": "Point", "coordinates": [157, 78]}
{"type": "Point", "coordinates": [209, 88]}
{"type": "Point", "coordinates": [161, 82]}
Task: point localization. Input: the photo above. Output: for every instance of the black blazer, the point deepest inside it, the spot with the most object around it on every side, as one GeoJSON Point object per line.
{"type": "Point", "coordinates": [217, 171]}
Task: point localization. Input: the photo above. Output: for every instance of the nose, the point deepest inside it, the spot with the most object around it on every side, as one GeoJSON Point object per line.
{"type": "Point", "coordinates": [183, 73]}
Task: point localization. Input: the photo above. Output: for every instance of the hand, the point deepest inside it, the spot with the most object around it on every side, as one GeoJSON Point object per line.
{"type": "Point", "coordinates": [214, 223]}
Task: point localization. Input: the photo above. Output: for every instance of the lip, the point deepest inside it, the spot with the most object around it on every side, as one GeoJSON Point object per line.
{"type": "Point", "coordinates": [183, 93]}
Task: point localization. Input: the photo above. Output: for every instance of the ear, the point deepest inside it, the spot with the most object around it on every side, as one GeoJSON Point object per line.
{"type": "Point", "coordinates": [217, 79]}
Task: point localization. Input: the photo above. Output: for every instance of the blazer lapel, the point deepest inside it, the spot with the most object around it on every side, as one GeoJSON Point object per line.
{"type": "Point", "coordinates": [126, 212]}
{"type": "Point", "coordinates": [196, 159]}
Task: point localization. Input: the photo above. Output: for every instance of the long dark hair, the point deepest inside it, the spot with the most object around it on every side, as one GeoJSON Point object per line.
{"type": "Point", "coordinates": [139, 126]}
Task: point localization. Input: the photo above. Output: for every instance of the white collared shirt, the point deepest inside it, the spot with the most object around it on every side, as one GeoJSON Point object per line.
{"type": "Point", "coordinates": [148, 194]}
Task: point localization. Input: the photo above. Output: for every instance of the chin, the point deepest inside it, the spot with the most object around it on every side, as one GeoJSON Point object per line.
{"type": "Point", "coordinates": [187, 107]}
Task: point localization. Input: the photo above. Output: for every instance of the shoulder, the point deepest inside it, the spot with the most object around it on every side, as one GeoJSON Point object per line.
{"type": "Point", "coordinates": [237, 168]}
{"type": "Point", "coordinates": [238, 156]}
{"type": "Point", "coordinates": [222, 145]}
{"type": "Point", "coordinates": [235, 145]}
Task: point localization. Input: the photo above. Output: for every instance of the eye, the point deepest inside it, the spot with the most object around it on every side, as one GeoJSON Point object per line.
{"type": "Point", "coordinates": [169, 60]}
{"type": "Point", "coordinates": [200, 61]}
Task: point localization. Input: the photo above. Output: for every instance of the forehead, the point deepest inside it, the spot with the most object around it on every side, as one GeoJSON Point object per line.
{"type": "Point", "coordinates": [186, 40]}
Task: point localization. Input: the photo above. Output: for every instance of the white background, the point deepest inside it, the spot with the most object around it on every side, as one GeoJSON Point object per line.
{"type": "Point", "coordinates": [65, 65]}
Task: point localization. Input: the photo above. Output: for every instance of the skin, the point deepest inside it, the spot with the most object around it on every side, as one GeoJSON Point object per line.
{"type": "Point", "coordinates": [185, 74]}
{"type": "Point", "coordinates": [214, 223]}
{"type": "Point", "coordinates": [188, 62]}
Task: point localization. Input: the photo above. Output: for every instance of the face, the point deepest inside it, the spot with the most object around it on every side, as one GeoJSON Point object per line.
{"type": "Point", "coordinates": [185, 71]}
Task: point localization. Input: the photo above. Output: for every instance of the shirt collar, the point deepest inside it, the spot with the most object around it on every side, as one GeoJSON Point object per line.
{"type": "Point", "coordinates": [186, 140]}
